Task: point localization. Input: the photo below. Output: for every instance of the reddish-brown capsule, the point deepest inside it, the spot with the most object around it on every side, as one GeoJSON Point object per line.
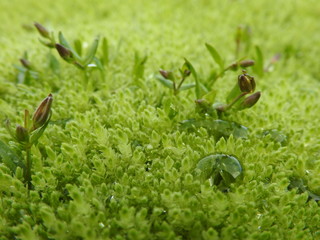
{"type": "Point", "coordinates": [246, 63]}
{"type": "Point", "coordinates": [42, 113]}
{"type": "Point", "coordinates": [246, 83]}
{"type": "Point", "coordinates": [22, 134]}
{"type": "Point", "coordinates": [64, 52]}
{"type": "Point", "coordinates": [164, 73]}
{"type": "Point", "coordinates": [250, 101]}
{"type": "Point", "coordinates": [42, 30]}
{"type": "Point", "coordinates": [25, 63]}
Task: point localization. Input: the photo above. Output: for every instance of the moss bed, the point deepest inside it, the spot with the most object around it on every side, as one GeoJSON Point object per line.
{"type": "Point", "coordinates": [118, 159]}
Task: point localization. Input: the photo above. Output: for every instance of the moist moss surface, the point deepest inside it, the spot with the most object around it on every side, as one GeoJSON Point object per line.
{"type": "Point", "coordinates": [116, 161]}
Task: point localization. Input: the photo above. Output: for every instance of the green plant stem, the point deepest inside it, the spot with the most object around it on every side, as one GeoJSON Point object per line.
{"type": "Point", "coordinates": [176, 89]}
{"type": "Point", "coordinates": [28, 167]}
{"type": "Point", "coordinates": [86, 78]}
{"type": "Point", "coordinates": [226, 107]}
{"type": "Point", "coordinates": [181, 82]}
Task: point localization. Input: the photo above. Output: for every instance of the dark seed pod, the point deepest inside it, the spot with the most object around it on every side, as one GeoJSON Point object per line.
{"type": "Point", "coordinates": [22, 134]}
{"type": "Point", "coordinates": [42, 30]}
{"type": "Point", "coordinates": [250, 101]}
{"type": "Point", "coordinates": [246, 63]}
{"type": "Point", "coordinates": [64, 52]}
{"type": "Point", "coordinates": [246, 83]}
{"type": "Point", "coordinates": [41, 115]}
{"type": "Point", "coordinates": [164, 73]}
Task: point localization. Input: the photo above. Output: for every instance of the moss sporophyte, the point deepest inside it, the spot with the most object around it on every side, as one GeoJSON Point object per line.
{"type": "Point", "coordinates": [26, 136]}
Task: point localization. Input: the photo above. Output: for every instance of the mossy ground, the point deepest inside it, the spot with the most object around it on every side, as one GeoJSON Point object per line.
{"type": "Point", "coordinates": [116, 165]}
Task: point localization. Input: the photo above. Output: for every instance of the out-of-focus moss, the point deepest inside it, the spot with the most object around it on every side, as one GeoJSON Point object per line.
{"type": "Point", "coordinates": [114, 163]}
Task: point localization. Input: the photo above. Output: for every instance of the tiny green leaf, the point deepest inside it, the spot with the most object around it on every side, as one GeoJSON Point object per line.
{"type": "Point", "coordinates": [36, 134]}
{"type": "Point", "coordinates": [187, 86]}
{"type": "Point", "coordinates": [195, 75]}
{"type": "Point", "coordinates": [63, 41]}
{"type": "Point", "coordinates": [66, 44]}
{"type": "Point", "coordinates": [78, 46]}
{"type": "Point", "coordinates": [91, 52]}
{"type": "Point", "coordinates": [216, 56]}
{"type": "Point", "coordinates": [165, 82]}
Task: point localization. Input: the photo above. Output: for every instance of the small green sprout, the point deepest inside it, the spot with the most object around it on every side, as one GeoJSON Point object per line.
{"type": "Point", "coordinates": [26, 71]}
{"type": "Point", "coordinates": [44, 32]}
{"type": "Point", "coordinates": [241, 63]}
{"type": "Point", "coordinates": [26, 136]}
{"type": "Point", "coordinates": [168, 79]}
{"type": "Point", "coordinates": [72, 55]}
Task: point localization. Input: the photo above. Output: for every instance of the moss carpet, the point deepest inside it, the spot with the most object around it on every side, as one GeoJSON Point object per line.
{"type": "Point", "coordinates": [116, 162]}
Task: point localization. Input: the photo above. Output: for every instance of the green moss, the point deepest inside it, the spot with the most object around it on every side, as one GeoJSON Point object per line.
{"type": "Point", "coordinates": [114, 162]}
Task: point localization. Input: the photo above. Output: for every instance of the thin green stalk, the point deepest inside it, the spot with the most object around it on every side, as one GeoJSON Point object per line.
{"type": "Point", "coordinates": [226, 107]}
{"type": "Point", "coordinates": [86, 78]}
{"type": "Point", "coordinates": [28, 167]}
{"type": "Point", "coordinates": [181, 82]}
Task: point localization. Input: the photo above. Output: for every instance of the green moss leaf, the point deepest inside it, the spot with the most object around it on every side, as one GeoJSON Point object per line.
{"type": "Point", "coordinates": [10, 158]}
{"type": "Point", "coordinates": [165, 82]}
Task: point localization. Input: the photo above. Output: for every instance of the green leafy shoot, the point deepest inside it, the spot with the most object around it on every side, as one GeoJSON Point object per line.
{"type": "Point", "coordinates": [63, 41]}
{"type": "Point", "coordinates": [46, 35]}
{"type": "Point", "coordinates": [168, 79]}
{"type": "Point", "coordinates": [91, 52]}
{"type": "Point", "coordinates": [26, 71]}
{"type": "Point", "coordinates": [26, 136]}
{"type": "Point", "coordinates": [240, 63]}
{"type": "Point", "coordinates": [72, 55]}
{"type": "Point", "coordinates": [236, 99]}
